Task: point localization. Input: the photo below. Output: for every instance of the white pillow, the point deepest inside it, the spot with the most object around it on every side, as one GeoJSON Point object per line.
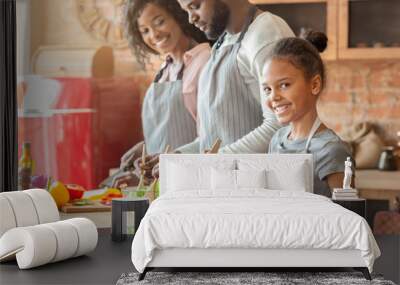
{"type": "Point", "coordinates": [226, 179]}
{"type": "Point", "coordinates": [182, 177]}
{"type": "Point", "coordinates": [223, 179]}
{"type": "Point", "coordinates": [281, 173]}
{"type": "Point", "coordinates": [193, 174]}
{"type": "Point", "coordinates": [293, 179]}
{"type": "Point", "coordinates": [251, 178]}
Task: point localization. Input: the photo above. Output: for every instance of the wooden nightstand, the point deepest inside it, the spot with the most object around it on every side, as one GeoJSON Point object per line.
{"type": "Point", "coordinates": [356, 205]}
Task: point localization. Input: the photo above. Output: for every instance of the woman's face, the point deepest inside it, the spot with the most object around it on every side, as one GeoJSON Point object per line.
{"type": "Point", "coordinates": [159, 29]}
{"type": "Point", "coordinates": [289, 94]}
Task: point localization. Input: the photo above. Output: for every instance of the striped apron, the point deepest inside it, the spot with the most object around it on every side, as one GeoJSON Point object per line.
{"type": "Point", "coordinates": [165, 119]}
{"type": "Point", "coordinates": [226, 107]}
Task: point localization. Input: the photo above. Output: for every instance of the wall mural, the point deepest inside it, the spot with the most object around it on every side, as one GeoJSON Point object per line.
{"type": "Point", "coordinates": [103, 20]}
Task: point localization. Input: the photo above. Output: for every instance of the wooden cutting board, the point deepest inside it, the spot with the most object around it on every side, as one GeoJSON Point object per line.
{"type": "Point", "coordinates": [96, 207]}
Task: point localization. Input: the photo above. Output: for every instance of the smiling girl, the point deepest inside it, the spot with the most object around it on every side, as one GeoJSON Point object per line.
{"type": "Point", "coordinates": [294, 79]}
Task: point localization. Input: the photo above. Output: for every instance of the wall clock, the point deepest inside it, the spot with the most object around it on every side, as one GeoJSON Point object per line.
{"type": "Point", "coordinates": [103, 20]}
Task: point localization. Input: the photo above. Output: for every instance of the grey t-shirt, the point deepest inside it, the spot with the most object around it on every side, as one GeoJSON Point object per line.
{"type": "Point", "coordinates": [329, 154]}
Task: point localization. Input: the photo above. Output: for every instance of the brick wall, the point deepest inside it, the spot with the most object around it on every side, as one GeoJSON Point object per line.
{"type": "Point", "coordinates": [358, 91]}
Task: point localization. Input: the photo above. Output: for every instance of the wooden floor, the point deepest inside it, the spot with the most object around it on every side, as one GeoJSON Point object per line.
{"type": "Point", "coordinates": [103, 266]}
{"type": "Point", "coordinates": [110, 259]}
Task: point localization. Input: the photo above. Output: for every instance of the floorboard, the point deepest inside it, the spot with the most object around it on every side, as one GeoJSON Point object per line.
{"type": "Point", "coordinates": [110, 259]}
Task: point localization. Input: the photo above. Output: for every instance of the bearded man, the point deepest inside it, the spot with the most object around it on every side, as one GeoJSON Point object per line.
{"type": "Point", "coordinates": [231, 101]}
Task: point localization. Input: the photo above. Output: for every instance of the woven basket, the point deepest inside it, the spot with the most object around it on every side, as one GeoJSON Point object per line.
{"type": "Point", "coordinates": [387, 223]}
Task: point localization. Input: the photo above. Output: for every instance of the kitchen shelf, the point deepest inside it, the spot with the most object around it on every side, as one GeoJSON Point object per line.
{"type": "Point", "coordinates": [356, 29]}
{"type": "Point", "coordinates": [369, 29]}
{"type": "Point", "coordinates": [300, 14]}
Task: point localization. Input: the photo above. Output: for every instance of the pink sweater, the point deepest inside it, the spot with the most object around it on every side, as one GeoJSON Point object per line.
{"type": "Point", "coordinates": [194, 61]}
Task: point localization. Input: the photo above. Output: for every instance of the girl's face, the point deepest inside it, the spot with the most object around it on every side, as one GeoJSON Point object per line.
{"type": "Point", "coordinates": [159, 29]}
{"type": "Point", "coordinates": [289, 94]}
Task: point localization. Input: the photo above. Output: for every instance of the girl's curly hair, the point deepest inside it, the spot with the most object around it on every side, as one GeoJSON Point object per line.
{"type": "Point", "coordinates": [132, 12]}
{"type": "Point", "coordinates": [303, 52]}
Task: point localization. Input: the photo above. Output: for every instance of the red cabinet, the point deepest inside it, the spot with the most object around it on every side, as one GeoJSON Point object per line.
{"type": "Point", "coordinates": [83, 134]}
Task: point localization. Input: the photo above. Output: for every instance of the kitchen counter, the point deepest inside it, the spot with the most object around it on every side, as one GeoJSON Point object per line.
{"type": "Point", "coordinates": [378, 185]}
{"type": "Point", "coordinates": [376, 179]}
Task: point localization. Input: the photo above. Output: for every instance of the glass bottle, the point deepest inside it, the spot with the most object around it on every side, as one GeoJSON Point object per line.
{"type": "Point", "coordinates": [25, 167]}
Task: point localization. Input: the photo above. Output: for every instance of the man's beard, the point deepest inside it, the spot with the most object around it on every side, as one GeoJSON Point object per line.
{"type": "Point", "coordinates": [219, 20]}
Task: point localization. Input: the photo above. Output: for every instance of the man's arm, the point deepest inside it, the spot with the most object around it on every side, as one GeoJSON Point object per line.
{"type": "Point", "coordinates": [193, 147]}
{"type": "Point", "coordinates": [256, 141]}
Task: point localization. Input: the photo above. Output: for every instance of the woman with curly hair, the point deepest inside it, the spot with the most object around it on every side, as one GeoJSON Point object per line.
{"type": "Point", "coordinates": [170, 105]}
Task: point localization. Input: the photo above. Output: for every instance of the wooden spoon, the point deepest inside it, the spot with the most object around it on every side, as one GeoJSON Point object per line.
{"type": "Point", "coordinates": [141, 181]}
{"type": "Point", "coordinates": [154, 183]}
{"type": "Point", "coordinates": [215, 147]}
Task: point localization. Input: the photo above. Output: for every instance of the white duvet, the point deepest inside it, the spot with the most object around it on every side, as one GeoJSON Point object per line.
{"type": "Point", "coordinates": [254, 218]}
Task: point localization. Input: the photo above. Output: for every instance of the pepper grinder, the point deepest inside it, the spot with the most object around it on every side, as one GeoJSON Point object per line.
{"type": "Point", "coordinates": [387, 160]}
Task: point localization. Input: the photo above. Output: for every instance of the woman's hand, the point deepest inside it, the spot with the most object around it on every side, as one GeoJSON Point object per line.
{"type": "Point", "coordinates": [125, 179]}
{"type": "Point", "coordinates": [127, 160]}
{"type": "Point", "coordinates": [147, 167]}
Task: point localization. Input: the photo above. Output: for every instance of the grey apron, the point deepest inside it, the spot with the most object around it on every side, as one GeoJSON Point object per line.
{"type": "Point", "coordinates": [321, 187]}
{"type": "Point", "coordinates": [226, 107]}
{"type": "Point", "coordinates": [165, 119]}
{"type": "Point", "coordinates": [314, 128]}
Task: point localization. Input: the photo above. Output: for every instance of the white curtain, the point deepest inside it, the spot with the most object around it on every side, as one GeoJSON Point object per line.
{"type": "Point", "coordinates": [23, 37]}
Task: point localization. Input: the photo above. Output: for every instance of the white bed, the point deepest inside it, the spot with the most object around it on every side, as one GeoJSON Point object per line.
{"type": "Point", "coordinates": [226, 226]}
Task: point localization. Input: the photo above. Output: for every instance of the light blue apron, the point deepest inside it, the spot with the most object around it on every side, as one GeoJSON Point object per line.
{"type": "Point", "coordinates": [226, 107]}
{"type": "Point", "coordinates": [165, 119]}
